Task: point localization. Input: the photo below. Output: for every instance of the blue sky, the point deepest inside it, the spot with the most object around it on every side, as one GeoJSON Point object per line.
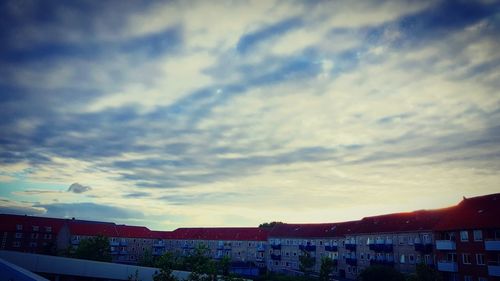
{"type": "Point", "coordinates": [169, 113]}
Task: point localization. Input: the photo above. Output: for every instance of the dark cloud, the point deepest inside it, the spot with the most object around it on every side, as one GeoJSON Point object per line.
{"type": "Point", "coordinates": [88, 211]}
{"type": "Point", "coordinates": [78, 188]}
{"type": "Point", "coordinates": [137, 195]}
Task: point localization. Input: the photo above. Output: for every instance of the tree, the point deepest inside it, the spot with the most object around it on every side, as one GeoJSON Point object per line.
{"type": "Point", "coordinates": [165, 263]}
{"type": "Point", "coordinates": [425, 273]}
{"type": "Point", "coordinates": [269, 224]}
{"type": "Point", "coordinates": [94, 248]}
{"type": "Point", "coordinates": [147, 259]}
{"type": "Point", "coordinates": [327, 265]}
{"type": "Point", "coordinates": [307, 262]}
{"type": "Point", "coordinates": [202, 267]}
{"type": "Point", "coordinates": [378, 272]}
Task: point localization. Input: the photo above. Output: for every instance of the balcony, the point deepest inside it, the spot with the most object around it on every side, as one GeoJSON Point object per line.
{"type": "Point", "coordinates": [492, 245]}
{"type": "Point", "coordinates": [114, 243]}
{"type": "Point", "coordinates": [308, 248]}
{"type": "Point", "coordinates": [351, 261]}
{"type": "Point", "coordinates": [259, 258]}
{"type": "Point", "coordinates": [446, 245]}
{"type": "Point", "coordinates": [382, 262]}
{"type": "Point", "coordinates": [447, 266]}
{"type": "Point", "coordinates": [423, 248]}
{"type": "Point", "coordinates": [494, 269]}
{"type": "Point", "coordinates": [275, 257]}
{"type": "Point", "coordinates": [276, 246]}
{"type": "Point", "coordinates": [333, 248]}
{"type": "Point", "coordinates": [159, 244]}
{"type": "Point", "coordinates": [350, 247]}
{"type": "Point", "coordinates": [158, 251]}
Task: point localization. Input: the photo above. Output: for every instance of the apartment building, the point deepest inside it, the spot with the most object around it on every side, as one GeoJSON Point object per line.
{"type": "Point", "coordinates": [468, 240]}
{"type": "Point", "coordinates": [462, 241]}
{"type": "Point", "coordinates": [244, 246]}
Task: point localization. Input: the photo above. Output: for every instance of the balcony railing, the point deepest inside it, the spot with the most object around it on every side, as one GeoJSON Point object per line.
{"type": "Point", "coordinates": [424, 248]}
{"type": "Point", "coordinates": [276, 246]}
{"type": "Point", "coordinates": [492, 245]}
{"type": "Point", "coordinates": [159, 244]}
{"type": "Point", "coordinates": [331, 248]}
{"type": "Point", "coordinates": [447, 266]}
{"type": "Point", "coordinates": [494, 268]}
{"type": "Point", "coordinates": [446, 245]}
{"type": "Point", "coordinates": [275, 257]}
{"type": "Point", "coordinates": [308, 248]}
{"type": "Point", "coordinates": [351, 261]}
{"type": "Point", "coordinates": [350, 247]}
{"type": "Point", "coordinates": [114, 243]}
{"type": "Point", "coordinates": [382, 262]}
{"type": "Point", "coordinates": [382, 247]}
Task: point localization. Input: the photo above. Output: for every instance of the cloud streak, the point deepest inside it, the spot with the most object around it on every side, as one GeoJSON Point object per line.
{"type": "Point", "coordinates": [272, 105]}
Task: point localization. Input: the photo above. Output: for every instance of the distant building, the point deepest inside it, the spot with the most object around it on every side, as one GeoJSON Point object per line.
{"type": "Point", "coordinates": [462, 241]}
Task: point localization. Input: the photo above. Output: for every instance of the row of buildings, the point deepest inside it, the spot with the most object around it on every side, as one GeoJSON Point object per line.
{"type": "Point", "coordinates": [462, 241]}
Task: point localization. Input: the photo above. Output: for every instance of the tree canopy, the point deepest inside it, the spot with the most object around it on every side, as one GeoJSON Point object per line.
{"type": "Point", "coordinates": [94, 248]}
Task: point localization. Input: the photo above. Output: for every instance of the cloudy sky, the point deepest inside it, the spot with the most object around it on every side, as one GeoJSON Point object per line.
{"type": "Point", "coordinates": [222, 113]}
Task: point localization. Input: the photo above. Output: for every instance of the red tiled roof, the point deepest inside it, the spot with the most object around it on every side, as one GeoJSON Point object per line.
{"type": "Point", "coordinates": [128, 231]}
{"type": "Point", "coordinates": [476, 212]}
{"type": "Point", "coordinates": [9, 223]}
{"type": "Point", "coordinates": [161, 234]}
{"type": "Point", "coordinates": [221, 233]}
{"type": "Point", "coordinates": [320, 230]}
{"type": "Point", "coordinates": [92, 228]}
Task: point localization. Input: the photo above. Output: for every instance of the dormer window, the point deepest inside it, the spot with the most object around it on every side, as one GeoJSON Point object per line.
{"type": "Point", "coordinates": [19, 227]}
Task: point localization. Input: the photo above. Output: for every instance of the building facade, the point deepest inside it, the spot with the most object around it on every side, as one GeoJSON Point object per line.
{"type": "Point", "coordinates": [462, 242]}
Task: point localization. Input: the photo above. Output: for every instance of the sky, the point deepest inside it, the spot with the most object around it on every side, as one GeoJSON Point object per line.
{"type": "Point", "coordinates": [233, 113]}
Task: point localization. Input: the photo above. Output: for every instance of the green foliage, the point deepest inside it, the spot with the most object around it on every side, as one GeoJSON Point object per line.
{"type": "Point", "coordinates": [224, 265]}
{"type": "Point", "coordinates": [327, 266]}
{"type": "Point", "coordinates": [94, 248]}
{"type": "Point", "coordinates": [147, 259]}
{"type": "Point", "coordinates": [202, 267]}
{"type": "Point", "coordinates": [165, 263]}
{"type": "Point", "coordinates": [270, 224]}
{"type": "Point", "coordinates": [425, 273]}
{"type": "Point", "coordinates": [377, 273]}
{"type": "Point", "coordinates": [306, 262]}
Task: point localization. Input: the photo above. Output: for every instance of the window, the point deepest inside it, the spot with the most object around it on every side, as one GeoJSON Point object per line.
{"type": "Point", "coordinates": [48, 229]}
{"type": "Point", "coordinates": [35, 228]}
{"type": "Point", "coordinates": [479, 259]}
{"type": "Point", "coordinates": [16, 244]}
{"type": "Point", "coordinates": [466, 258]}
{"type": "Point", "coordinates": [482, 279]}
{"type": "Point", "coordinates": [33, 245]}
{"type": "Point", "coordinates": [402, 240]}
{"type": "Point", "coordinates": [411, 259]}
{"type": "Point", "coordinates": [19, 227]}
{"type": "Point", "coordinates": [478, 235]}
{"type": "Point", "coordinates": [427, 259]}
{"type": "Point", "coordinates": [464, 236]}
{"type": "Point", "coordinates": [452, 257]}
{"type": "Point", "coordinates": [19, 235]}
{"type": "Point", "coordinates": [34, 235]}
{"type": "Point", "coordinates": [402, 259]}
{"type": "Point", "coordinates": [467, 278]}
